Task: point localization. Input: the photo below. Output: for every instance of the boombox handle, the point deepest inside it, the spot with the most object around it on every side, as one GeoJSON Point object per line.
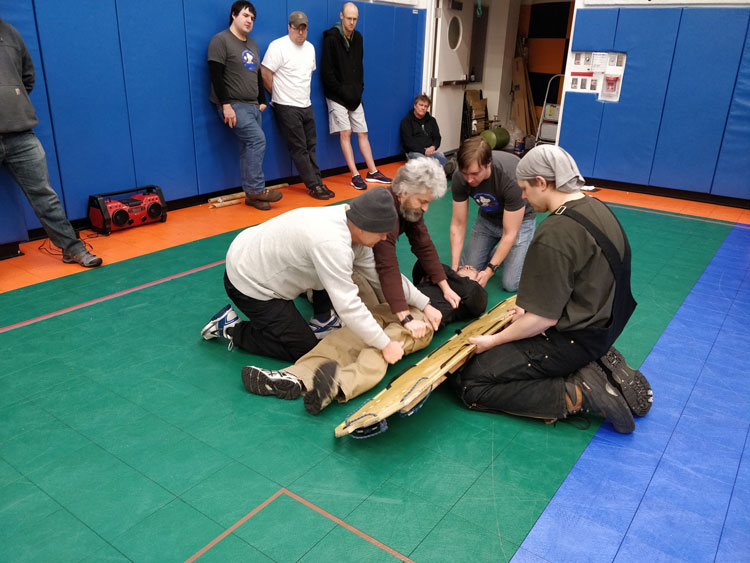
{"type": "Point", "coordinates": [147, 189]}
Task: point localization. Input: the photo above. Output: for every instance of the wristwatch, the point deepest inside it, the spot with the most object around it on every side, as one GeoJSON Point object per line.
{"type": "Point", "coordinates": [406, 319]}
{"type": "Point", "coordinates": [492, 266]}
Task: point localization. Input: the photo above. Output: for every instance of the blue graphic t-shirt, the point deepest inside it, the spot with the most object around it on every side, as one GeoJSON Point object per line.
{"type": "Point", "coordinates": [241, 62]}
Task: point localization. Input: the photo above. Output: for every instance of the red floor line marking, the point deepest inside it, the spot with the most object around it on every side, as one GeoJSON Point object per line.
{"type": "Point", "coordinates": [308, 504]}
{"type": "Point", "coordinates": [108, 297]}
{"type": "Point", "coordinates": [236, 525]}
{"type": "Point", "coordinates": [349, 527]}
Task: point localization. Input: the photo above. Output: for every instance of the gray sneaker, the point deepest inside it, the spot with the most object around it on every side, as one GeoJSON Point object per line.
{"type": "Point", "coordinates": [600, 397]}
{"type": "Point", "coordinates": [266, 382]}
{"type": "Point", "coordinates": [633, 385]}
{"type": "Point", "coordinates": [84, 258]}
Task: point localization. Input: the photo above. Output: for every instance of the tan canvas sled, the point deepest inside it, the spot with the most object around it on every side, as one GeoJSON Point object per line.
{"type": "Point", "coordinates": [407, 392]}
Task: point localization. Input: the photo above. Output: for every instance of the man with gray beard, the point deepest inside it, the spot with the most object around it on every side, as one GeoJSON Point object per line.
{"type": "Point", "coordinates": [418, 183]}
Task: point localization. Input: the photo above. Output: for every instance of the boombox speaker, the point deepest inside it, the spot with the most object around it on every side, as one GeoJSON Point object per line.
{"type": "Point", "coordinates": [109, 213]}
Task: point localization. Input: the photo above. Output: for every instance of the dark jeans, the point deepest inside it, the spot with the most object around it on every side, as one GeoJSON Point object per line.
{"type": "Point", "coordinates": [23, 156]}
{"type": "Point", "coordinates": [297, 126]}
{"type": "Point", "coordinates": [275, 329]}
{"type": "Point", "coordinates": [525, 377]}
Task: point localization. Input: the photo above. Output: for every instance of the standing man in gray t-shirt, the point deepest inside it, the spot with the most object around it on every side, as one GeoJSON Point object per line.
{"type": "Point", "coordinates": [237, 91]}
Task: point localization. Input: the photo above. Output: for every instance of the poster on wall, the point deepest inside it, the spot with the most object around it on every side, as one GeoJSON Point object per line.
{"type": "Point", "coordinates": [599, 73]}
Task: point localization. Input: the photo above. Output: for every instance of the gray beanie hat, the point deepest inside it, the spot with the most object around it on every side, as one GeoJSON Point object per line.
{"type": "Point", "coordinates": [373, 211]}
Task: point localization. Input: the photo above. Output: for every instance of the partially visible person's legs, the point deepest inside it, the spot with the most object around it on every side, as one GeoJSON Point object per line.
{"type": "Point", "coordinates": [297, 125]}
{"type": "Point", "coordinates": [275, 329]}
{"type": "Point", "coordinates": [440, 157]}
{"type": "Point", "coordinates": [525, 377]}
{"type": "Point", "coordinates": [479, 247]}
{"type": "Point", "coordinates": [513, 263]}
{"type": "Point", "coordinates": [358, 367]}
{"type": "Point", "coordinates": [23, 155]}
{"type": "Point", "coordinates": [252, 146]}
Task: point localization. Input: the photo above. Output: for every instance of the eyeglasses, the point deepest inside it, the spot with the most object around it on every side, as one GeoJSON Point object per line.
{"type": "Point", "coordinates": [299, 28]}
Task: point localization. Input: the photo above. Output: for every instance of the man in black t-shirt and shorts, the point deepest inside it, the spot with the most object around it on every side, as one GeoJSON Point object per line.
{"type": "Point", "coordinates": [505, 223]}
{"type": "Point", "coordinates": [574, 299]}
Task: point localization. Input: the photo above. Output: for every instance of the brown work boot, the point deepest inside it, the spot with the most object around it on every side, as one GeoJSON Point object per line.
{"type": "Point", "coordinates": [261, 199]}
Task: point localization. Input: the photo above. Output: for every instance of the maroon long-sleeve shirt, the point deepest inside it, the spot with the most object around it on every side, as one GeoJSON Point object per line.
{"type": "Point", "coordinates": [386, 261]}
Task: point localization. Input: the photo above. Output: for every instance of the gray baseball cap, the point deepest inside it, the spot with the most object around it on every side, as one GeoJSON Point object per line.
{"type": "Point", "coordinates": [297, 19]}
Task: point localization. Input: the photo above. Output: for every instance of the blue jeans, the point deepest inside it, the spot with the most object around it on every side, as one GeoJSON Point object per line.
{"type": "Point", "coordinates": [483, 240]}
{"type": "Point", "coordinates": [440, 157]}
{"type": "Point", "coordinates": [252, 146]}
{"type": "Point", "coordinates": [23, 156]}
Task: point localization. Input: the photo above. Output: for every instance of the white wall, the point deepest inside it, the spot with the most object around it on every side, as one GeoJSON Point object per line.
{"type": "Point", "coordinates": [502, 29]}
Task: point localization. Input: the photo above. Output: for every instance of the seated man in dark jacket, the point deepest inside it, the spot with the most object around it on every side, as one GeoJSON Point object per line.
{"type": "Point", "coordinates": [420, 134]}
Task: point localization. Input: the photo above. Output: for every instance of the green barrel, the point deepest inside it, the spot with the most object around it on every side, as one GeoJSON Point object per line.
{"type": "Point", "coordinates": [496, 138]}
{"type": "Point", "coordinates": [501, 137]}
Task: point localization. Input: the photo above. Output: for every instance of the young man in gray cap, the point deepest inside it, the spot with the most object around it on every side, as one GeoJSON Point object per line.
{"type": "Point", "coordinates": [573, 301]}
{"type": "Point", "coordinates": [271, 264]}
{"type": "Point", "coordinates": [287, 69]}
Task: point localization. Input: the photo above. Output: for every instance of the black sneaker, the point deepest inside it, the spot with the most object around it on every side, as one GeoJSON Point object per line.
{"type": "Point", "coordinates": [601, 398]}
{"type": "Point", "coordinates": [331, 193]}
{"type": "Point", "coordinates": [325, 388]}
{"type": "Point", "coordinates": [266, 382]}
{"type": "Point", "coordinates": [319, 192]}
{"type": "Point", "coordinates": [635, 388]}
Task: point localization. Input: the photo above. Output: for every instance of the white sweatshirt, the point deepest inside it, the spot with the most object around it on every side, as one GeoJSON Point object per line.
{"type": "Point", "coordinates": [311, 248]}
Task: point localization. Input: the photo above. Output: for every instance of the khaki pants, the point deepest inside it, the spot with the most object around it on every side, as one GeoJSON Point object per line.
{"type": "Point", "coordinates": [361, 367]}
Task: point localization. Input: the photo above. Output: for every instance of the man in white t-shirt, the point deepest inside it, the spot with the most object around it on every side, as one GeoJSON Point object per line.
{"type": "Point", "coordinates": [287, 72]}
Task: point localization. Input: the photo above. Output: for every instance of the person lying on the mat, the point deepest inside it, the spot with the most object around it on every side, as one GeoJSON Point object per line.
{"type": "Point", "coordinates": [270, 264]}
{"type": "Point", "coordinates": [343, 366]}
{"type": "Point", "coordinates": [418, 183]}
{"type": "Point", "coordinates": [574, 300]}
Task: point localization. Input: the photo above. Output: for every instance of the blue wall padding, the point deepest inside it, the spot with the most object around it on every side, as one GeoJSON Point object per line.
{"type": "Point", "coordinates": [83, 67]}
{"type": "Point", "coordinates": [409, 36]}
{"type": "Point", "coordinates": [630, 127]}
{"type": "Point", "coordinates": [732, 176]}
{"type": "Point", "coordinates": [704, 70]}
{"type": "Point", "coordinates": [129, 86]}
{"type": "Point", "coordinates": [381, 97]}
{"type": "Point", "coordinates": [21, 15]}
{"type": "Point", "coordinates": [13, 225]}
{"type": "Point", "coordinates": [154, 59]}
{"type": "Point", "coordinates": [579, 130]}
{"type": "Point", "coordinates": [594, 30]}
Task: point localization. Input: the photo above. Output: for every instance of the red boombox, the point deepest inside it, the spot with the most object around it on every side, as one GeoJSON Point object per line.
{"type": "Point", "coordinates": [109, 214]}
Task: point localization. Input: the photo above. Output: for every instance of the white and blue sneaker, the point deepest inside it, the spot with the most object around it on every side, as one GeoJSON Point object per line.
{"type": "Point", "coordinates": [219, 323]}
{"type": "Point", "coordinates": [321, 329]}
{"type": "Point", "coordinates": [266, 382]}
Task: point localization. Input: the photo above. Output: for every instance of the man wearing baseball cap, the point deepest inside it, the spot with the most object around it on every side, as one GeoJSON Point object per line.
{"type": "Point", "coordinates": [271, 264]}
{"type": "Point", "coordinates": [287, 69]}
